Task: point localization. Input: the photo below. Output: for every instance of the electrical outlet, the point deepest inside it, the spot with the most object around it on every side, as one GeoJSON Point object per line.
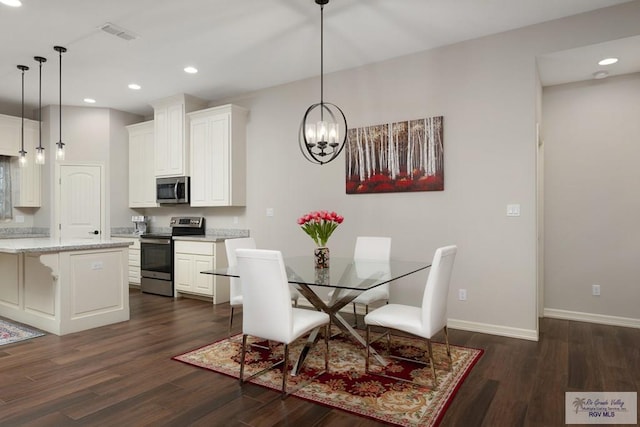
{"type": "Point", "coordinates": [595, 290]}
{"type": "Point", "coordinates": [462, 294]}
{"type": "Point", "coordinates": [269, 211]}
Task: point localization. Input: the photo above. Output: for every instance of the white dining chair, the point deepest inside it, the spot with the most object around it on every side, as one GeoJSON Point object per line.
{"type": "Point", "coordinates": [371, 249]}
{"type": "Point", "coordinates": [267, 312]}
{"type": "Point", "coordinates": [424, 321]}
{"type": "Point", "coordinates": [235, 291]}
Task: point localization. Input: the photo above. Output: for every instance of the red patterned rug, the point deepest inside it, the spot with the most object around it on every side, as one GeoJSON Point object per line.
{"type": "Point", "coordinates": [346, 386]}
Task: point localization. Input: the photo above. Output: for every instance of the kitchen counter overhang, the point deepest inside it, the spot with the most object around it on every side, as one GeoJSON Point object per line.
{"type": "Point", "coordinates": [64, 286]}
{"type": "Point", "coordinates": [48, 245]}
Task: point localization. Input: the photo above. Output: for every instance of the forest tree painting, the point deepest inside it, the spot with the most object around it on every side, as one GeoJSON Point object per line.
{"type": "Point", "coordinates": [396, 157]}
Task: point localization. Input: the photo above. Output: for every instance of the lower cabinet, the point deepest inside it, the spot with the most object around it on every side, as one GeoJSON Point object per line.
{"type": "Point", "coordinates": [134, 259]}
{"type": "Point", "coordinates": [190, 259]}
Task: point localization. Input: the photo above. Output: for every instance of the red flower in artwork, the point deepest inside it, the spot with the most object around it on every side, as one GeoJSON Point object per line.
{"type": "Point", "coordinates": [378, 178]}
{"type": "Point", "coordinates": [384, 187]}
{"type": "Point", "coordinates": [404, 184]}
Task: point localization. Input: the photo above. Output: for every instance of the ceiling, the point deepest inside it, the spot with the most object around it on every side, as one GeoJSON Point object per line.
{"type": "Point", "coordinates": [242, 45]}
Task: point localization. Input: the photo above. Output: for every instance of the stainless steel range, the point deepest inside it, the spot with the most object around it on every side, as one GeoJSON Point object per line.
{"type": "Point", "coordinates": [156, 254]}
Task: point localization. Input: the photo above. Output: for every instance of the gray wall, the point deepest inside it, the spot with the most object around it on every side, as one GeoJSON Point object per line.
{"type": "Point", "coordinates": [592, 147]}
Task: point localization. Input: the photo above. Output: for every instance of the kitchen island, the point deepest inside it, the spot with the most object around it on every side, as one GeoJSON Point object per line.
{"type": "Point", "coordinates": [64, 286]}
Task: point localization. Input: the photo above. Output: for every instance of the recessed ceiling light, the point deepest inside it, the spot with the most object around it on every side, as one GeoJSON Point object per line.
{"type": "Point", "coordinates": [608, 61]}
{"type": "Point", "coordinates": [190, 70]}
{"type": "Point", "coordinates": [90, 100]}
{"type": "Point", "coordinates": [600, 74]}
{"type": "Point", "coordinates": [12, 3]}
{"type": "Point", "coordinates": [134, 86]}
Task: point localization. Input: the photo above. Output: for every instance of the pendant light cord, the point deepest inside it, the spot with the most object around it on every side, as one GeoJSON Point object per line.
{"type": "Point", "coordinates": [322, 62]}
{"type": "Point", "coordinates": [22, 68]}
{"type": "Point", "coordinates": [22, 115]}
{"type": "Point", "coordinates": [60, 50]}
{"type": "Point", "coordinates": [40, 107]}
{"type": "Point", "coordinates": [40, 59]}
{"type": "Point", "coordinates": [60, 97]}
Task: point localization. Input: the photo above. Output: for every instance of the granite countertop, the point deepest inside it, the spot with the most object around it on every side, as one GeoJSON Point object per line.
{"type": "Point", "coordinates": [23, 236]}
{"type": "Point", "coordinates": [48, 245]}
{"type": "Point", "coordinates": [206, 238]}
{"type": "Point", "coordinates": [126, 235]}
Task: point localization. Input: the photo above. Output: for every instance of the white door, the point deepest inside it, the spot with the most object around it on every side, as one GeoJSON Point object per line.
{"type": "Point", "coordinates": [81, 202]}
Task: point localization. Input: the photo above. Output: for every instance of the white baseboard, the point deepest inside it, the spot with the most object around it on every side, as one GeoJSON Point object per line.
{"type": "Point", "coordinates": [592, 318]}
{"type": "Point", "coordinates": [486, 328]}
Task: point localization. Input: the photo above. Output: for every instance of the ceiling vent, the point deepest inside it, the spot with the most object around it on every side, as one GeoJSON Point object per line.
{"type": "Point", "coordinates": [118, 31]}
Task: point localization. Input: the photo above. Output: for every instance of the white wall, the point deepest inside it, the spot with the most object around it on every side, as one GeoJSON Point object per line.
{"type": "Point", "coordinates": [592, 139]}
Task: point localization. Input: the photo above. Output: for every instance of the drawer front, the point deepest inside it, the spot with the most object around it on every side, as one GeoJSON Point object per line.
{"type": "Point", "coordinates": [134, 274]}
{"type": "Point", "coordinates": [195, 248]}
{"type": "Point", "coordinates": [134, 258]}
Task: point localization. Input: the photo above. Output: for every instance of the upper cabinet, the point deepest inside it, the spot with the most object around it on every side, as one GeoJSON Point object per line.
{"type": "Point", "coordinates": [218, 156]}
{"type": "Point", "coordinates": [29, 178]}
{"type": "Point", "coordinates": [171, 152]}
{"type": "Point", "coordinates": [142, 179]}
{"type": "Point", "coordinates": [9, 135]}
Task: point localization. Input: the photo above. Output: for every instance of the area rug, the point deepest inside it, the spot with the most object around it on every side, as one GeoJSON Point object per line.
{"type": "Point", "coordinates": [13, 332]}
{"type": "Point", "coordinates": [346, 386]}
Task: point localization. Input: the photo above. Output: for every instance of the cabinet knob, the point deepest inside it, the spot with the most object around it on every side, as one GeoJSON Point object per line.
{"type": "Point", "coordinates": [94, 232]}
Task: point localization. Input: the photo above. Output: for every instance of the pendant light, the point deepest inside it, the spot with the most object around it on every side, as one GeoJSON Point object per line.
{"type": "Point", "coordinates": [324, 122]}
{"type": "Point", "coordinates": [60, 144]}
{"type": "Point", "coordinates": [40, 159]}
{"type": "Point", "coordinates": [22, 161]}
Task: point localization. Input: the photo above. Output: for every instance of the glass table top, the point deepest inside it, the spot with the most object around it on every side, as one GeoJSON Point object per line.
{"type": "Point", "coordinates": [344, 273]}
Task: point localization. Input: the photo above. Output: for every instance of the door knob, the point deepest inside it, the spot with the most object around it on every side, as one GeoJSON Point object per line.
{"type": "Point", "coordinates": [94, 232]}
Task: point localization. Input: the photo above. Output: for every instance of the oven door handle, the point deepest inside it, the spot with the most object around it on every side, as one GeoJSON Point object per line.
{"type": "Point", "coordinates": [156, 241]}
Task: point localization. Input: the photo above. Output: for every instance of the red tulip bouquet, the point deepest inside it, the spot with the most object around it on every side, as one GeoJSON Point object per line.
{"type": "Point", "coordinates": [319, 225]}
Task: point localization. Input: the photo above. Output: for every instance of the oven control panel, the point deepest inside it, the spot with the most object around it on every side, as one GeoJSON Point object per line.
{"type": "Point", "coordinates": [187, 221]}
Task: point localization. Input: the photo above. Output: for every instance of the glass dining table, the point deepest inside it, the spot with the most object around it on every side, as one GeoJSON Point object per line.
{"type": "Point", "coordinates": [347, 278]}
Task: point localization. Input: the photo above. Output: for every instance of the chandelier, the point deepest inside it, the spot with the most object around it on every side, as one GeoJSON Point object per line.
{"type": "Point", "coordinates": [324, 123]}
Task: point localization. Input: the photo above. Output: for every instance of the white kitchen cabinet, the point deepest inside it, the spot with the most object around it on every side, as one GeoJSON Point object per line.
{"type": "Point", "coordinates": [142, 177]}
{"type": "Point", "coordinates": [9, 135]}
{"type": "Point", "coordinates": [218, 156]}
{"type": "Point", "coordinates": [134, 258]}
{"type": "Point", "coordinates": [171, 154]}
{"type": "Point", "coordinates": [190, 258]}
{"type": "Point", "coordinates": [28, 193]}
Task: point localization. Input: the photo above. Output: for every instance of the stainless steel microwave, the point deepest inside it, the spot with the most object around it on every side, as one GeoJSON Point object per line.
{"type": "Point", "coordinates": [172, 190]}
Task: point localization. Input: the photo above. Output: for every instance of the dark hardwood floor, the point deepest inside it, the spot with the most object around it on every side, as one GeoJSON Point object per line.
{"type": "Point", "coordinates": [123, 375]}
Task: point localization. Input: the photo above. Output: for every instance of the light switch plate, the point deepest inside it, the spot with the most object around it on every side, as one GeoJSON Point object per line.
{"type": "Point", "coordinates": [513, 210]}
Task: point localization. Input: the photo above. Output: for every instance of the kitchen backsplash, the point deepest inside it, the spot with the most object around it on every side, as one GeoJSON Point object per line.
{"type": "Point", "coordinates": [16, 232]}
{"type": "Point", "coordinates": [220, 232]}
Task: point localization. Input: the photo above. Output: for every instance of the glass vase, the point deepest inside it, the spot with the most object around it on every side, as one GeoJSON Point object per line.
{"type": "Point", "coordinates": [322, 257]}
